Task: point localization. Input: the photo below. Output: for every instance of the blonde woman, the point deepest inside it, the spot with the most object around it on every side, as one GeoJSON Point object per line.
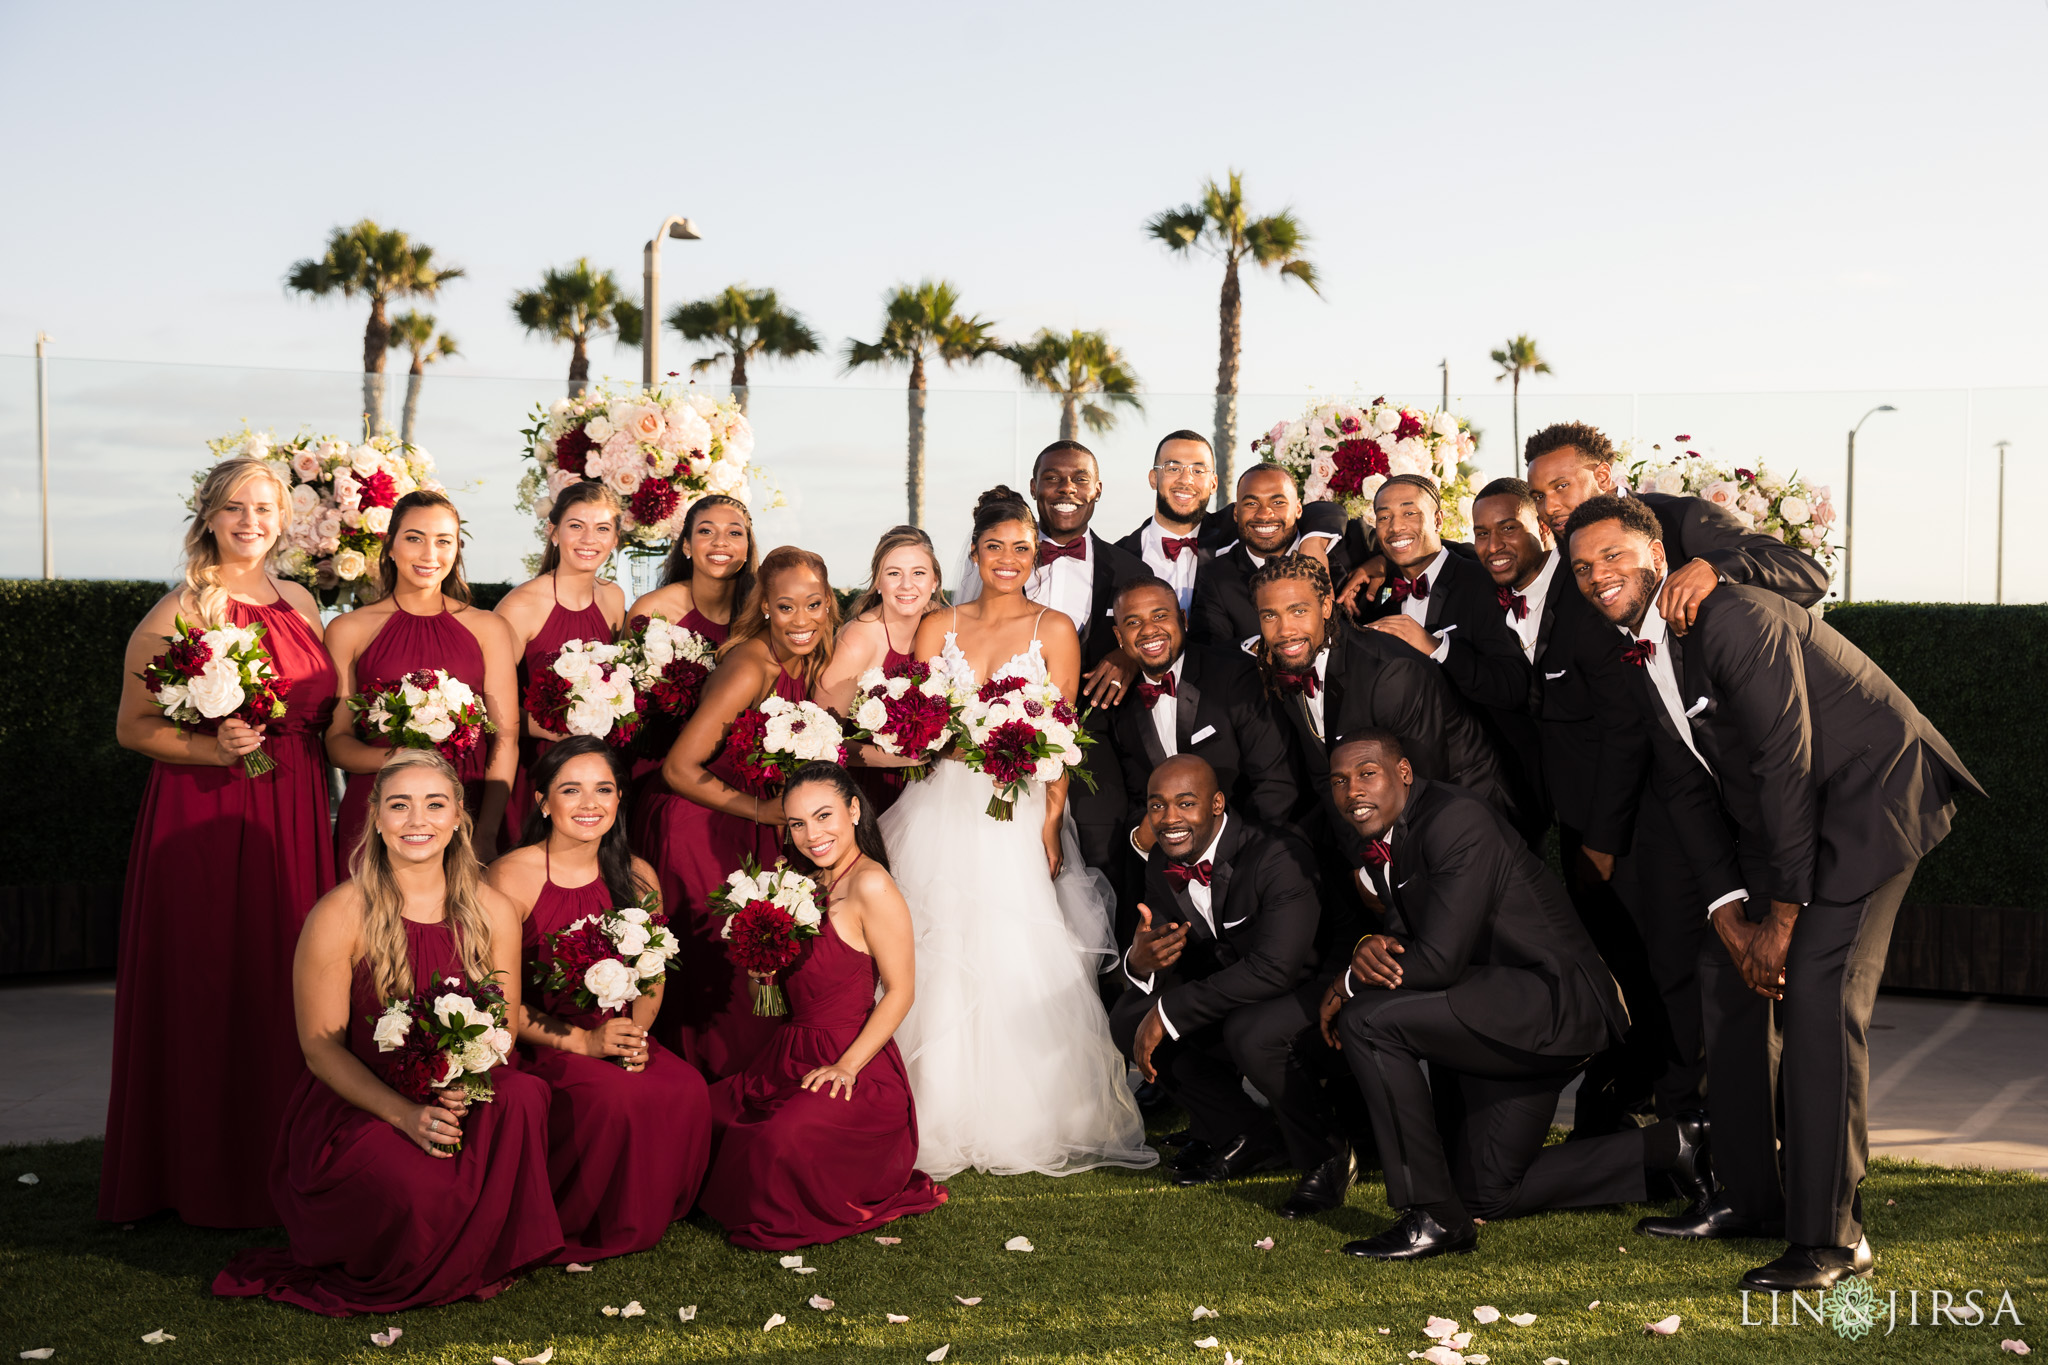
{"type": "Point", "coordinates": [223, 868]}
{"type": "Point", "coordinates": [881, 632]}
{"type": "Point", "coordinates": [382, 1217]}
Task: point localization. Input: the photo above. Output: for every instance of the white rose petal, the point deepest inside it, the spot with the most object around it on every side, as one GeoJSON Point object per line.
{"type": "Point", "coordinates": [633, 1310]}
{"type": "Point", "coordinates": [29, 1178]}
{"type": "Point", "coordinates": [775, 1320]}
{"type": "Point", "coordinates": [967, 1303]}
{"type": "Point", "coordinates": [576, 1268]}
{"type": "Point", "coordinates": [687, 1313]}
{"type": "Point", "coordinates": [39, 1353]}
{"type": "Point", "coordinates": [792, 1262]}
{"type": "Point", "coordinates": [1440, 1329]}
{"type": "Point", "coordinates": [936, 1356]}
{"type": "Point", "coordinates": [1486, 1313]}
{"type": "Point", "coordinates": [888, 1241]}
{"type": "Point", "coordinates": [158, 1337]}
{"type": "Point", "coordinates": [897, 1317]}
{"type": "Point", "coordinates": [1663, 1327]}
{"type": "Point", "coordinates": [1018, 1244]}
{"type": "Point", "coordinates": [1206, 1344]}
{"type": "Point", "coordinates": [1438, 1355]}
{"type": "Point", "coordinates": [1521, 1319]}
{"type": "Point", "coordinates": [1263, 1244]}
{"type": "Point", "coordinates": [1201, 1312]}
{"type": "Point", "coordinates": [821, 1303]}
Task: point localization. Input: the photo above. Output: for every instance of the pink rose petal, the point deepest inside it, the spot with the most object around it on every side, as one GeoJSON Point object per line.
{"type": "Point", "coordinates": [1663, 1327]}
{"type": "Point", "coordinates": [386, 1338]}
{"type": "Point", "coordinates": [822, 1304]}
{"type": "Point", "coordinates": [1485, 1313]}
{"type": "Point", "coordinates": [1439, 1329]}
{"type": "Point", "coordinates": [897, 1317]}
{"type": "Point", "coordinates": [2018, 1348]}
{"type": "Point", "coordinates": [1263, 1244]}
{"type": "Point", "coordinates": [575, 1269]}
{"type": "Point", "coordinates": [887, 1241]}
{"type": "Point", "coordinates": [967, 1302]}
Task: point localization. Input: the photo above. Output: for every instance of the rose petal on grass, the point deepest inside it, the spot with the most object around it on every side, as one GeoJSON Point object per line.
{"type": "Point", "coordinates": [500, 1360]}
{"type": "Point", "coordinates": [804, 1269]}
{"type": "Point", "coordinates": [1521, 1319]}
{"type": "Point", "coordinates": [792, 1262]}
{"type": "Point", "coordinates": [633, 1310]}
{"type": "Point", "coordinates": [158, 1337]}
{"type": "Point", "coordinates": [967, 1302]}
{"type": "Point", "coordinates": [1439, 1328]}
{"type": "Point", "coordinates": [887, 1241]}
{"type": "Point", "coordinates": [39, 1353]}
{"type": "Point", "coordinates": [2018, 1348]}
{"type": "Point", "coordinates": [1555, 1360]}
{"type": "Point", "coordinates": [936, 1356]}
{"type": "Point", "coordinates": [1386, 1331]}
{"type": "Point", "coordinates": [1206, 1344]}
{"type": "Point", "coordinates": [1201, 1312]}
{"type": "Point", "coordinates": [542, 1359]}
{"type": "Point", "coordinates": [31, 1178]}
{"type": "Point", "coordinates": [1594, 1304]}
{"type": "Point", "coordinates": [1459, 1342]}
{"type": "Point", "coordinates": [1019, 1244]}
{"type": "Point", "coordinates": [1263, 1244]}
{"type": "Point", "coordinates": [1229, 1359]}
{"type": "Point", "coordinates": [1439, 1355]}
{"type": "Point", "coordinates": [609, 1311]}
{"type": "Point", "coordinates": [1485, 1313]}
{"type": "Point", "coordinates": [1479, 1359]}
{"type": "Point", "coordinates": [775, 1320]}
{"type": "Point", "coordinates": [1663, 1327]}
{"type": "Point", "coordinates": [386, 1338]}
{"type": "Point", "coordinates": [1622, 1250]}
{"type": "Point", "coordinates": [688, 1313]}
{"type": "Point", "coordinates": [897, 1317]}
{"type": "Point", "coordinates": [574, 1268]}
{"type": "Point", "coordinates": [821, 1303]}
{"type": "Point", "coordinates": [1888, 1203]}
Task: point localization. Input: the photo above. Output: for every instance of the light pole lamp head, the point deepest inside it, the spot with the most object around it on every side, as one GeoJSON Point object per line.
{"type": "Point", "coordinates": [683, 230]}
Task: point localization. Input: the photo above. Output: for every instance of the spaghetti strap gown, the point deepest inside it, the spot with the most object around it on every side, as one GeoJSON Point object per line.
{"type": "Point", "coordinates": [222, 872]}
{"type": "Point", "coordinates": [794, 1167]}
{"type": "Point", "coordinates": [406, 644]}
{"type": "Point", "coordinates": [562, 626]}
{"type": "Point", "coordinates": [626, 1150]}
{"type": "Point", "coordinates": [707, 1010]}
{"type": "Point", "coordinates": [376, 1224]}
{"type": "Point", "coordinates": [881, 786]}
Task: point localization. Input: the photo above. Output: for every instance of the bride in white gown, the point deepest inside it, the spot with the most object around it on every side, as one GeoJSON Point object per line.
{"type": "Point", "coordinates": [1007, 1044]}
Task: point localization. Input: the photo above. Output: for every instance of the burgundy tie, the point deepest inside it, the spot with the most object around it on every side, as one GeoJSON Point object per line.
{"type": "Point", "coordinates": [1639, 652]}
{"type": "Point", "coordinates": [1400, 590]}
{"type": "Point", "coordinates": [1173, 545]}
{"type": "Point", "coordinates": [1180, 874]}
{"type": "Point", "coordinates": [1512, 602]}
{"type": "Point", "coordinates": [1150, 692]}
{"type": "Point", "coordinates": [1379, 853]}
{"type": "Point", "coordinates": [1049, 550]}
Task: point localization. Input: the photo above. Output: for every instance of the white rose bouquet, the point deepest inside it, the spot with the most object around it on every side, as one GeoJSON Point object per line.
{"type": "Point", "coordinates": [586, 689]}
{"type": "Point", "coordinates": [1787, 508]}
{"type": "Point", "coordinates": [768, 917]}
{"type": "Point", "coordinates": [670, 665]}
{"type": "Point", "coordinates": [602, 963]}
{"type": "Point", "coordinates": [769, 742]}
{"type": "Point", "coordinates": [448, 1032]}
{"type": "Point", "coordinates": [211, 675]}
{"type": "Point", "coordinates": [425, 710]}
{"type": "Point", "coordinates": [1345, 451]}
{"type": "Point", "coordinates": [1017, 732]}
{"type": "Point", "coordinates": [907, 710]}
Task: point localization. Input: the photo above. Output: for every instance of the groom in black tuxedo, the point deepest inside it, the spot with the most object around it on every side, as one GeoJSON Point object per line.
{"type": "Point", "coordinates": [1221, 990]}
{"type": "Point", "coordinates": [1270, 521]}
{"type": "Point", "coordinates": [1485, 975]}
{"type": "Point", "coordinates": [1838, 786]}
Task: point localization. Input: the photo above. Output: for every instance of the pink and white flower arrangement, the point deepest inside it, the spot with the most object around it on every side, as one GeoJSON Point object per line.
{"type": "Point", "coordinates": [658, 450]}
{"type": "Point", "coordinates": [1344, 451]}
{"type": "Point", "coordinates": [426, 709]}
{"type": "Point", "coordinates": [211, 675]}
{"type": "Point", "coordinates": [1800, 514]}
{"type": "Point", "coordinates": [449, 1032]}
{"type": "Point", "coordinates": [907, 710]}
{"type": "Point", "coordinates": [586, 689]}
{"type": "Point", "coordinates": [1016, 732]}
{"type": "Point", "coordinates": [602, 963]}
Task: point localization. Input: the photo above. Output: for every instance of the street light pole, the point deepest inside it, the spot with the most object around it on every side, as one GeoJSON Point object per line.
{"type": "Point", "coordinates": [1445, 366]}
{"type": "Point", "coordinates": [43, 447]}
{"type": "Point", "coordinates": [650, 325]}
{"type": "Point", "coordinates": [1999, 576]}
{"type": "Point", "coordinates": [1849, 506]}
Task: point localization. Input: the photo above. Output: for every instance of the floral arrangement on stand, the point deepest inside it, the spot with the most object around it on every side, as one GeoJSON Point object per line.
{"type": "Point", "coordinates": [768, 915]}
{"type": "Point", "coordinates": [342, 495]}
{"type": "Point", "coordinates": [659, 450]}
{"type": "Point", "coordinates": [448, 1032]}
{"type": "Point", "coordinates": [1786, 508]}
{"type": "Point", "coordinates": [1344, 452]}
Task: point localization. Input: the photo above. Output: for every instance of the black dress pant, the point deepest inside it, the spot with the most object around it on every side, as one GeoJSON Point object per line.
{"type": "Point", "coordinates": [1472, 1130]}
{"type": "Point", "coordinates": [1799, 1068]}
{"type": "Point", "coordinates": [1621, 1082]}
{"type": "Point", "coordinates": [1656, 882]}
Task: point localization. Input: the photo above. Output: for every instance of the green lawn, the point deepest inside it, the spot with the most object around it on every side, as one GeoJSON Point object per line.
{"type": "Point", "coordinates": [1120, 1262]}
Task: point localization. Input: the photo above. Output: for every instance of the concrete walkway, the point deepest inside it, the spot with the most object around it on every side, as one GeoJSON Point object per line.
{"type": "Point", "coordinates": [1959, 1083]}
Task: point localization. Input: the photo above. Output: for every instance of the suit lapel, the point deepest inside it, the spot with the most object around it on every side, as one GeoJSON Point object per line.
{"type": "Point", "coordinates": [1549, 618]}
{"type": "Point", "coordinates": [1148, 736]}
{"type": "Point", "coordinates": [1334, 679]}
{"type": "Point", "coordinates": [1187, 705]}
{"type": "Point", "coordinates": [1100, 589]}
{"type": "Point", "coordinates": [1439, 589]}
{"type": "Point", "coordinates": [1219, 875]}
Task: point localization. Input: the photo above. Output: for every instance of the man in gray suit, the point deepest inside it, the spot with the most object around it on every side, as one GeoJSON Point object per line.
{"type": "Point", "coordinates": [1837, 786]}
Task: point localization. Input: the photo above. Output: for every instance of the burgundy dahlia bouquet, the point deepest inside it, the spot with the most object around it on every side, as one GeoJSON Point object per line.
{"type": "Point", "coordinates": [768, 917]}
{"type": "Point", "coordinates": [670, 664]}
{"type": "Point", "coordinates": [770, 741]}
{"type": "Point", "coordinates": [1016, 732]}
{"type": "Point", "coordinates": [602, 963]}
{"type": "Point", "coordinates": [908, 710]}
{"type": "Point", "coordinates": [448, 1032]}
{"type": "Point", "coordinates": [427, 709]}
{"type": "Point", "coordinates": [586, 688]}
{"type": "Point", "coordinates": [214, 675]}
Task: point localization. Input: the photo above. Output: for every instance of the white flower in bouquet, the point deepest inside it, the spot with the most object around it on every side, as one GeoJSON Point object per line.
{"type": "Point", "coordinates": [612, 982]}
{"type": "Point", "coordinates": [639, 421]}
{"type": "Point", "coordinates": [1669, 480]}
{"type": "Point", "coordinates": [217, 691]}
{"type": "Point", "coordinates": [653, 962]}
{"type": "Point", "coordinates": [1770, 483]}
{"type": "Point", "coordinates": [633, 914]}
{"type": "Point", "coordinates": [599, 428]}
{"type": "Point", "coordinates": [1445, 424]}
{"type": "Point", "coordinates": [305, 499]}
{"type": "Point", "coordinates": [632, 939]}
{"type": "Point", "coordinates": [455, 693]}
{"type": "Point", "coordinates": [625, 479]}
{"type": "Point", "coordinates": [376, 520]}
{"type": "Point", "coordinates": [478, 1055]}
{"type": "Point", "coordinates": [1795, 511]}
{"type": "Point", "coordinates": [460, 1009]}
{"type": "Point", "coordinates": [727, 478]}
{"type": "Point", "coordinates": [1386, 418]}
{"type": "Point", "coordinates": [804, 730]}
{"type": "Point", "coordinates": [1722, 493]}
{"type": "Point", "coordinates": [392, 1026]}
{"type": "Point", "coordinates": [871, 714]}
{"type": "Point", "coordinates": [349, 565]}
{"type": "Point", "coordinates": [433, 721]}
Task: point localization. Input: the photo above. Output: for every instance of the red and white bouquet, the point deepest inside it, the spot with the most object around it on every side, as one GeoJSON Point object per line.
{"type": "Point", "coordinates": [1016, 732]}
{"type": "Point", "coordinates": [770, 741]}
{"type": "Point", "coordinates": [1788, 508]}
{"type": "Point", "coordinates": [602, 963]}
{"type": "Point", "coordinates": [658, 450]}
{"type": "Point", "coordinates": [586, 689]}
{"type": "Point", "coordinates": [669, 663]}
{"type": "Point", "coordinates": [1344, 452]}
{"type": "Point", "coordinates": [768, 916]}
{"type": "Point", "coordinates": [425, 710]}
{"type": "Point", "coordinates": [448, 1032]}
{"type": "Point", "coordinates": [908, 710]}
{"type": "Point", "coordinates": [215, 674]}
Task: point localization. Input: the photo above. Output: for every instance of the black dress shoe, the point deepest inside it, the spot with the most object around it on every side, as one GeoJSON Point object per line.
{"type": "Point", "coordinates": [1715, 1219]}
{"type": "Point", "coordinates": [1323, 1188]}
{"type": "Point", "coordinates": [1812, 1267]}
{"type": "Point", "coordinates": [1416, 1237]}
{"type": "Point", "coordinates": [1195, 1154]}
{"type": "Point", "coordinates": [1243, 1157]}
{"type": "Point", "coordinates": [1693, 1172]}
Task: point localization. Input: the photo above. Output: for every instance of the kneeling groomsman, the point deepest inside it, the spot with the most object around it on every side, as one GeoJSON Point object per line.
{"type": "Point", "coordinates": [1838, 786]}
{"type": "Point", "coordinates": [1221, 992]}
{"type": "Point", "coordinates": [1485, 975]}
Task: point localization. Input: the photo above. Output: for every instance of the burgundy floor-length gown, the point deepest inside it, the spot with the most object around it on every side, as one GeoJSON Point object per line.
{"type": "Point", "coordinates": [707, 1010]}
{"type": "Point", "coordinates": [626, 1150]}
{"type": "Point", "coordinates": [376, 1224]}
{"type": "Point", "coordinates": [794, 1167]}
{"type": "Point", "coordinates": [222, 871]}
{"type": "Point", "coordinates": [562, 626]}
{"type": "Point", "coordinates": [881, 786]}
{"type": "Point", "coordinates": [406, 644]}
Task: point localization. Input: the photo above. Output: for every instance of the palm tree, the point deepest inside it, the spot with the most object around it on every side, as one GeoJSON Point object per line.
{"type": "Point", "coordinates": [1220, 225]}
{"type": "Point", "coordinates": [384, 264]}
{"type": "Point", "coordinates": [1077, 366]}
{"type": "Point", "coordinates": [576, 305]}
{"type": "Point", "coordinates": [923, 319]}
{"type": "Point", "coordinates": [1516, 358]}
{"type": "Point", "coordinates": [415, 331]}
{"type": "Point", "coordinates": [742, 323]}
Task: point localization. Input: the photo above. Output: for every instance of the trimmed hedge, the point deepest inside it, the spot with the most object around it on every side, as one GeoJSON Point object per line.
{"type": "Point", "coordinates": [68, 802]}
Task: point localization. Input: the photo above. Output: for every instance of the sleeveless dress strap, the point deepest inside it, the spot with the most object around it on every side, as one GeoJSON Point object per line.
{"type": "Point", "coordinates": [1035, 620]}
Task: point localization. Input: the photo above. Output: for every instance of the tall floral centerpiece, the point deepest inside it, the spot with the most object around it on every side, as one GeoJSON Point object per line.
{"type": "Point", "coordinates": [1785, 507]}
{"type": "Point", "coordinates": [1344, 451]}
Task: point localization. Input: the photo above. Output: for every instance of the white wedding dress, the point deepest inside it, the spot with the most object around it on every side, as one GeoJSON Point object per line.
{"type": "Point", "coordinates": [1007, 1044]}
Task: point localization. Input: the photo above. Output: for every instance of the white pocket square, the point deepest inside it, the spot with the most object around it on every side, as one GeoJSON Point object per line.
{"type": "Point", "coordinates": [1403, 882]}
{"type": "Point", "coordinates": [1198, 736]}
{"type": "Point", "coordinates": [1553, 677]}
{"type": "Point", "coordinates": [1233, 923]}
{"type": "Point", "coordinates": [1696, 708]}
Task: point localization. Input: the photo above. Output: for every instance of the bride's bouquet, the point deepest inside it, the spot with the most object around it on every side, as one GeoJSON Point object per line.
{"type": "Point", "coordinates": [770, 741]}
{"type": "Point", "coordinates": [670, 664]}
{"type": "Point", "coordinates": [907, 710]}
{"type": "Point", "coordinates": [425, 710]}
{"type": "Point", "coordinates": [213, 675]}
{"type": "Point", "coordinates": [1017, 732]}
{"type": "Point", "coordinates": [602, 963]}
{"type": "Point", "coordinates": [586, 689]}
{"type": "Point", "coordinates": [768, 916]}
{"type": "Point", "coordinates": [432, 1041]}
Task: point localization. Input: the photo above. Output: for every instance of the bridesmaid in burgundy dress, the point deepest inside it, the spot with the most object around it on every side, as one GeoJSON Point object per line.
{"type": "Point", "coordinates": [222, 870]}
{"type": "Point", "coordinates": [379, 1219]}
{"type": "Point", "coordinates": [780, 644]}
{"type": "Point", "coordinates": [817, 1138]}
{"type": "Point", "coordinates": [903, 589]}
{"type": "Point", "coordinates": [583, 531]}
{"type": "Point", "coordinates": [629, 1125]}
{"type": "Point", "coordinates": [423, 618]}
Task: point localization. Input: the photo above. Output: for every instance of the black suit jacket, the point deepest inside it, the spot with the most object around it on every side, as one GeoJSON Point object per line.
{"type": "Point", "coordinates": [1221, 699]}
{"type": "Point", "coordinates": [1114, 566]}
{"type": "Point", "coordinates": [1696, 529]}
{"type": "Point", "coordinates": [1590, 717]}
{"type": "Point", "coordinates": [1480, 918]}
{"type": "Point", "coordinates": [1834, 778]}
{"type": "Point", "coordinates": [1263, 901]}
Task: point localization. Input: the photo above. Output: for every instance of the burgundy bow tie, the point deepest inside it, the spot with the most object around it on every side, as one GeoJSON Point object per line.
{"type": "Point", "coordinates": [1305, 682]}
{"type": "Point", "coordinates": [1639, 652]}
{"type": "Point", "coordinates": [1399, 590]}
{"type": "Point", "coordinates": [1049, 550]}
{"type": "Point", "coordinates": [1512, 601]}
{"type": "Point", "coordinates": [1180, 874]}
{"type": "Point", "coordinates": [1379, 853]}
{"type": "Point", "coordinates": [1173, 545]}
{"type": "Point", "coordinates": [1150, 692]}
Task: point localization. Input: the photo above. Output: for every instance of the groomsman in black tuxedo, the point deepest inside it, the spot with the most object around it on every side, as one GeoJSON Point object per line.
{"type": "Point", "coordinates": [1079, 573]}
{"type": "Point", "coordinates": [1270, 521]}
{"type": "Point", "coordinates": [1485, 975]}
{"type": "Point", "coordinates": [1838, 787]}
{"type": "Point", "coordinates": [1182, 531]}
{"type": "Point", "coordinates": [1221, 990]}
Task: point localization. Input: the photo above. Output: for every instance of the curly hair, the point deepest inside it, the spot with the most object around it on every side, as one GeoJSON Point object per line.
{"type": "Point", "coordinates": [1293, 567]}
{"type": "Point", "coordinates": [1630, 512]}
{"type": "Point", "coordinates": [1591, 443]}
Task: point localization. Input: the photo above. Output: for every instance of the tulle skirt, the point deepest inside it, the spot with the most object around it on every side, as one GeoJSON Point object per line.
{"type": "Point", "coordinates": [1007, 1045]}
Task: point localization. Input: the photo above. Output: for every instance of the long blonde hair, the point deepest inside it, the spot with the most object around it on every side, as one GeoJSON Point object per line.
{"type": "Point", "coordinates": [894, 539]}
{"type": "Point", "coordinates": [369, 863]}
{"type": "Point", "coordinates": [751, 618]}
{"type": "Point", "coordinates": [202, 552]}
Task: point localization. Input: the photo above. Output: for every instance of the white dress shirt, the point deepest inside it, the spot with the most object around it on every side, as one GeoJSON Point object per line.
{"type": "Point", "coordinates": [1178, 572]}
{"type": "Point", "coordinates": [1416, 609]}
{"type": "Point", "coordinates": [1165, 722]}
{"type": "Point", "coordinates": [1068, 584]}
{"type": "Point", "coordinates": [1382, 887]}
{"type": "Point", "coordinates": [1533, 596]}
{"type": "Point", "coordinates": [1201, 897]}
{"type": "Point", "coordinates": [1315, 703]}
